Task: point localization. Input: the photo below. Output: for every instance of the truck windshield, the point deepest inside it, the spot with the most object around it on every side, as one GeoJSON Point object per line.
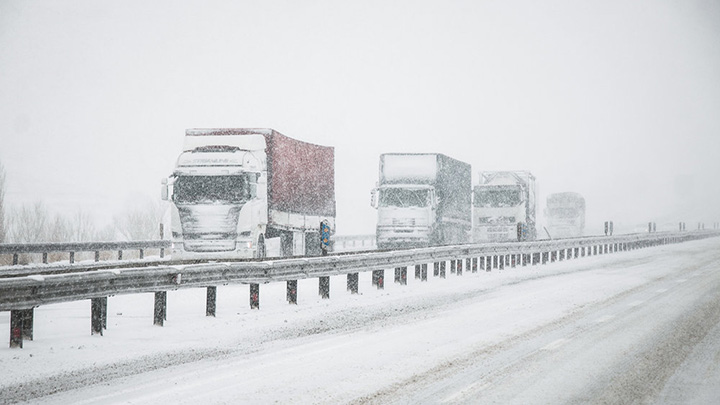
{"type": "Point", "coordinates": [208, 189]}
{"type": "Point", "coordinates": [497, 197]}
{"type": "Point", "coordinates": [404, 197]}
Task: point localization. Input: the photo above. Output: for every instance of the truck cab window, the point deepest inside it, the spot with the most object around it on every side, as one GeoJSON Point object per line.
{"type": "Point", "coordinates": [403, 197]}
{"type": "Point", "coordinates": [197, 189]}
{"type": "Point", "coordinates": [501, 197]}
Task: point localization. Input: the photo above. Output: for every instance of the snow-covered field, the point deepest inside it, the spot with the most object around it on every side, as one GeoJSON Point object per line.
{"type": "Point", "coordinates": [489, 337]}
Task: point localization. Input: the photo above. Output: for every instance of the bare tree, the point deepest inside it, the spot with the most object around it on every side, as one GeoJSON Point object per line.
{"type": "Point", "coordinates": [140, 222]}
{"type": "Point", "coordinates": [29, 224]}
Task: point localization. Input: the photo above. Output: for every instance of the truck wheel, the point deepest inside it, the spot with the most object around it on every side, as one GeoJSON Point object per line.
{"type": "Point", "coordinates": [261, 252]}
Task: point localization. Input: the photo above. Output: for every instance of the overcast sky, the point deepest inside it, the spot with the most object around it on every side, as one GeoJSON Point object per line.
{"type": "Point", "coordinates": [616, 100]}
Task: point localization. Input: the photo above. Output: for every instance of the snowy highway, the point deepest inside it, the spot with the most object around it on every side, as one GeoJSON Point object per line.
{"type": "Point", "coordinates": [631, 327]}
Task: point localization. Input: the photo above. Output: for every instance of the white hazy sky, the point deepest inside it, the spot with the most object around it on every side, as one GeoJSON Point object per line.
{"type": "Point", "coordinates": [617, 100]}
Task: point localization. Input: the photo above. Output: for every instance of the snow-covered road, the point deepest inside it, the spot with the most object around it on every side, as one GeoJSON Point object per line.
{"type": "Point", "coordinates": [640, 326]}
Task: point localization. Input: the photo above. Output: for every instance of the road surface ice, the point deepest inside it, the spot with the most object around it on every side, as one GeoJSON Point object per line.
{"type": "Point", "coordinates": [629, 327]}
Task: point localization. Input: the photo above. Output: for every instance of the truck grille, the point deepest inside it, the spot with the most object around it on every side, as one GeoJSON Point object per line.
{"type": "Point", "coordinates": [404, 221]}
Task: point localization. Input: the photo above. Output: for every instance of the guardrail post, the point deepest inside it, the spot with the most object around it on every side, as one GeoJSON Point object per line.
{"type": "Point", "coordinates": [98, 312]}
{"type": "Point", "coordinates": [423, 272]}
{"type": "Point", "coordinates": [72, 257]}
{"type": "Point", "coordinates": [45, 255]}
{"type": "Point", "coordinates": [324, 287]}
{"type": "Point", "coordinates": [119, 254]}
{"type": "Point", "coordinates": [442, 268]}
{"type": "Point", "coordinates": [162, 235]}
{"type": "Point", "coordinates": [352, 283]}
{"type": "Point", "coordinates": [210, 301]}
{"type": "Point", "coordinates": [104, 303]}
{"type": "Point", "coordinates": [28, 316]}
{"type": "Point", "coordinates": [254, 296]}
{"type": "Point", "coordinates": [160, 308]}
{"type": "Point", "coordinates": [16, 327]}
{"type": "Point", "coordinates": [142, 253]}
{"type": "Point", "coordinates": [378, 279]}
{"type": "Point", "coordinates": [15, 262]}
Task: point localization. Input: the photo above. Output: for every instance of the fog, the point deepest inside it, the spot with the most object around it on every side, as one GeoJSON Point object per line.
{"type": "Point", "coordinates": [616, 100]}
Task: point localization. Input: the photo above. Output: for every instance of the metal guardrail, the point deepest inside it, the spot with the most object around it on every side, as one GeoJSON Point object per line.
{"type": "Point", "coordinates": [34, 290]}
{"type": "Point", "coordinates": [16, 249]}
{"type": "Point", "coordinates": [12, 248]}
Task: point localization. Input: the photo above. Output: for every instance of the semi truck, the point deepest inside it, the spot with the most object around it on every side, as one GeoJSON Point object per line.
{"type": "Point", "coordinates": [565, 215]}
{"type": "Point", "coordinates": [504, 207]}
{"type": "Point", "coordinates": [422, 199]}
{"type": "Point", "coordinates": [249, 192]}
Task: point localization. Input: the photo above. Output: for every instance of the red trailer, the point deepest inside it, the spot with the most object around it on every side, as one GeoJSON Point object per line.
{"type": "Point", "coordinates": [250, 193]}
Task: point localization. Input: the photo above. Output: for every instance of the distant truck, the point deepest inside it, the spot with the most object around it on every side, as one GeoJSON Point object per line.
{"type": "Point", "coordinates": [423, 199]}
{"type": "Point", "coordinates": [565, 215]}
{"type": "Point", "coordinates": [504, 207]}
{"type": "Point", "coordinates": [246, 192]}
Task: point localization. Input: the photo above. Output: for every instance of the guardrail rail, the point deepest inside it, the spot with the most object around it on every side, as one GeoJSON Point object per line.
{"type": "Point", "coordinates": [20, 295]}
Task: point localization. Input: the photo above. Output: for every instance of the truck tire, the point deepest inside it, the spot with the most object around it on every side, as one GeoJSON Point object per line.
{"type": "Point", "coordinates": [261, 251]}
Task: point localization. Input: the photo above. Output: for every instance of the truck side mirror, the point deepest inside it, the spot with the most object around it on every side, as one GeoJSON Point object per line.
{"type": "Point", "coordinates": [164, 190]}
{"type": "Point", "coordinates": [373, 198]}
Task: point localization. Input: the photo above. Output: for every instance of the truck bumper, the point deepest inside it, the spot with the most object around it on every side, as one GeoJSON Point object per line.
{"type": "Point", "coordinates": [210, 249]}
{"type": "Point", "coordinates": [495, 233]}
{"type": "Point", "coordinates": [402, 237]}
